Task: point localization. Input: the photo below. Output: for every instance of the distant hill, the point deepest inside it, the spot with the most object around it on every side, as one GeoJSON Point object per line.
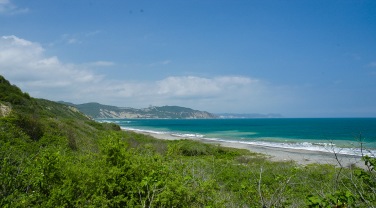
{"type": "Point", "coordinates": [96, 110]}
{"type": "Point", "coordinates": [250, 115]}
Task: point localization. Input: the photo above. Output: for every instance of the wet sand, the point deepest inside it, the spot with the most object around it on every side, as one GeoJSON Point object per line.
{"type": "Point", "coordinates": [302, 157]}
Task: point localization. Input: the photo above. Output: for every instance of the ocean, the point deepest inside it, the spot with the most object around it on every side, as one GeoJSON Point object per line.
{"type": "Point", "coordinates": [342, 135]}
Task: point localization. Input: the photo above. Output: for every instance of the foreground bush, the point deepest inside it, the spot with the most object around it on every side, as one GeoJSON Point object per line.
{"type": "Point", "coordinates": [118, 173]}
{"type": "Point", "coordinates": [54, 156]}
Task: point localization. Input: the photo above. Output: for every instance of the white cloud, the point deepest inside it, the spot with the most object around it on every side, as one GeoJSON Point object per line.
{"type": "Point", "coordinates": [372, 64]}
{"type": "Point", "coordinates": [187, 86]}
{"type": "Point", "coordinates": [7, 7]}
{"type": "Point", "coordinates": [72, 41]}
{"type": "Point", "coordinates": [160, 63]}
{"type": "Point", "coordinates": [101, 64]}
{"type": "Point", "coordinates": [191, 86]}
{"type": "Point", "coordinates": [217, 94]}
{"type": "Point", "coordinates": [76, 38]}
{"type": "Point", "coordinates": [25, 64]}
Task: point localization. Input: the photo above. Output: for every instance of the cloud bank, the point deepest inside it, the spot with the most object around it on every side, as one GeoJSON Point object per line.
{"type": "Point", "coordinates": [8, 8]}
{"type": "Point", "coordinates": [25, 64]}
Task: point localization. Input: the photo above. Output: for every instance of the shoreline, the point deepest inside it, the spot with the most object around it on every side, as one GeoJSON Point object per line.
{"type": "Point", "coordinates": [299, 156]}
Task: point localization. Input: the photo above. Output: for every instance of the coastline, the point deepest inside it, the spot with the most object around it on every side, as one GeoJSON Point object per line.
{"type": "Point", "coordinates": [301, 157]}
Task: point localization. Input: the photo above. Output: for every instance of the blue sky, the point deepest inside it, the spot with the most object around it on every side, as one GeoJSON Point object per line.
{"type": "Point", "coordinates": [297, 58]}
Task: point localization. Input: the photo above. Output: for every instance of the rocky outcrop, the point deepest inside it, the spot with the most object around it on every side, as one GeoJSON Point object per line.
{"type": "Point", "coordinates": [4, 110]}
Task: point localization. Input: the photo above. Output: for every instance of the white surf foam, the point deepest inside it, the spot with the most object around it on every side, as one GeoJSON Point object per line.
{"type": "Point", "coordinates": [310, 146]}
{"type": "Point", "coordinates": [326, 147]}
{"type": "Point", "coordinates": [143, 130]}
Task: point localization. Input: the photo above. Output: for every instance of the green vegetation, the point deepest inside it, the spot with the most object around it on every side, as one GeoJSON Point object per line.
{"type": "Point", "coordinates": [51, 155]}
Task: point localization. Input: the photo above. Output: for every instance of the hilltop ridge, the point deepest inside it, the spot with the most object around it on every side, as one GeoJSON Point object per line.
{"type": "Point", "coordinates": [97, 110]}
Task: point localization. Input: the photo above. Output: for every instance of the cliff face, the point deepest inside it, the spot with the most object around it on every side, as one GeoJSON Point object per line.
{"type": "Point", "coordinates": [144, 113]}
{"type": "Point", "coordinates": [96, 110]}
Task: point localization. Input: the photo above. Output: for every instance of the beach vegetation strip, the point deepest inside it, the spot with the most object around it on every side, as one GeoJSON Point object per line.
{"type": "Point", "coordinates": [51, 155]}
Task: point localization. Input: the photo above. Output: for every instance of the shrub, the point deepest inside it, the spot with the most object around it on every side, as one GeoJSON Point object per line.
{"type": "Point", "coordinates": [30, 125]}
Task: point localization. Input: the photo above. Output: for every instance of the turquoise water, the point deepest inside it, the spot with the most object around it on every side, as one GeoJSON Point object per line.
{"type": "Point", "coordinates": [318, 134]}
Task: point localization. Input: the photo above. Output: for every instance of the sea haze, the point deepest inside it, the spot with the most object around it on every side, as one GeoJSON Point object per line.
{"type": "Point", "coordinates": [342, 135]}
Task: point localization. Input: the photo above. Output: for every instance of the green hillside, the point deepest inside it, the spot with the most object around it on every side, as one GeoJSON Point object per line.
{"type": "Point", "coordinates": [51, 155]}
{"type": "Point", "coordinates": [96, 110]}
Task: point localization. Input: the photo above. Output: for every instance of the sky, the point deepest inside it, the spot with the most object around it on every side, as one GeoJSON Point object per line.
{"type": "Point", "coordinates": [298, 58]}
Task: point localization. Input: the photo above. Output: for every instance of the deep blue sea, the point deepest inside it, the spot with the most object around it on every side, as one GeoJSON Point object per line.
{"type": "Point", "coordinates": [343, 135]}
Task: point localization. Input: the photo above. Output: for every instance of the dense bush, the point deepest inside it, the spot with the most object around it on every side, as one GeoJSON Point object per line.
{"type": "Point", "coordinates": [130, 170]}
{"type": "Point", "coordinates": [53, 156]}
{"type": "Point", "coordinates": [12, 94]}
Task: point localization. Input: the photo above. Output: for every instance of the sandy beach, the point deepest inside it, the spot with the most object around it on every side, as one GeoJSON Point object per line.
{"type": "Point", "coordinates": [302, 157]}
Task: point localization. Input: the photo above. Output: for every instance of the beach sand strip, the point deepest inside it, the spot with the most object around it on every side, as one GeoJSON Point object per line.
{"type": "Point", "coordinates": [300, 156]}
